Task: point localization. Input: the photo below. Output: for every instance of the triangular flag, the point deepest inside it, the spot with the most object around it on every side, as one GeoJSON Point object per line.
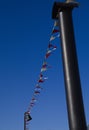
{"type": "Point", "coordinates": [48, 53]}
{"type": "Point", "coordinates": [55, 31]}
{"type": "Point", "coordinates": [52, 47]}
{"type": "Point", "coordinates": [56, 23]}
{"type": "Point", "coordinates": [32, 103]}
{"type": "Point", "coordinates": [40, 80]}
{"type": "Point", "coordinates": [44, 67]}
{"type": "Point", "coordinates": [44, 64]}
{"type": "Point", "coordinates": [38, 86]}
{"type": "Point", "coordinates": [58, 35]}
{"type": "Point", "coordinates": [33, 99]}
{"type": "Point", "coordinates": [37, 92]}
{"type": "Point", "coordinates": [27, 116]}
{"type": "Point", "coordinates": [41, 75]}
{"type": "Point", "coordinates": [52, 38]}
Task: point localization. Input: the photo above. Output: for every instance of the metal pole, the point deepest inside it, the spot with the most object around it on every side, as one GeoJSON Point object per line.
{"type": "Point", "coordinates": [76, 116]}
{"type": "Point", "coordinates": [25, 121]}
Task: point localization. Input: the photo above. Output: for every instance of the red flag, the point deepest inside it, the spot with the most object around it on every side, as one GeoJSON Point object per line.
{"type": "Point", "coordinates": [37, 92]}
{"type": "Point", "coordinates": [40, 80]}
{"type": "Point", "coordinates": [48, 53]}
{"type": "Point", "coordinates": [51, 46]}
{"type": "Point", "coordinates": [55, 31]}
{"type": "Point", "coordinates": [44, 67]}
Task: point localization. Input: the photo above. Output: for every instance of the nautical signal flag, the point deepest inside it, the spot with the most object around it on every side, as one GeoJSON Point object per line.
{"type": "Point", "coordinates": [37, 92]}
{"type": "Point", "coordinates": [33, 99]}
{"type": "Point", "coordinates": [55, 31]}
{"type": "Point", "coordinates": [51, 46]}
{"type": "Point", "coordinates": [41, 80]}
{"type": "Point", "coordinates": [53, 37]}
{"type": "Point", "coordinates": [44, 66]}
{"type": "Point", "coordinates": [27, 116]}
{"type": "Point", "coordinates": [48, 53]}
{"type": "Point", "coordinates": [56, 23]}
{"type": "Point", "coordinates": [38, 86]}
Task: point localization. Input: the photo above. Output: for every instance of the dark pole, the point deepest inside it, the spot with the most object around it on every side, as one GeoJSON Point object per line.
{"type": "Point", "coordinates": [76, 116]}
{"type": "Point", "coordinates": [25, 121]}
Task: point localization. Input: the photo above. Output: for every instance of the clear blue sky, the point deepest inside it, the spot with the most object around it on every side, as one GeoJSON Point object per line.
{"type": "Point", "coordinates": [25, 27]}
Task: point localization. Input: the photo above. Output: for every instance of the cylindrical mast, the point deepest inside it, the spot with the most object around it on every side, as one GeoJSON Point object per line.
{"type": "Point", "coordinates": [25, 121]}
{"type": "Point", "coordinates": [76, 116]}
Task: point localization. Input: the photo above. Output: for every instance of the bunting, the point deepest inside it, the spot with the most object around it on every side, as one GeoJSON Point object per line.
{"type": "Point", "coordinates": [45, 66]}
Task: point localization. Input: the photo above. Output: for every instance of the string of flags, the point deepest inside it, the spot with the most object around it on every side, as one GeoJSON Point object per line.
{"type": "Point", "coordinates": [45, 66]}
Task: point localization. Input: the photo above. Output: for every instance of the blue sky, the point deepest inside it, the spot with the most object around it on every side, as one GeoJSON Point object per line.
{"type": "Point", "coordinates": [25, 27]}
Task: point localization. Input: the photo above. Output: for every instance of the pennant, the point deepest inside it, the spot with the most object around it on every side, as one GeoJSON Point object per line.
{"type": "Point", "coordinates": [56, 23]}
{"type": "Point", "coordinates": [32, 103]}
{"type": "Point", "coordinates": [48, 53]}
{"type": "Point", "coordinates": [44, 67]}
{"type": "Point", "coordinates": [52, 38]}
{"type": "Point", "coordinates": [52, 47]}
{"type": "Point", "coordinates": [55, 31]}
{"type": "Point", "coordinates": [37, 89]}
{"type": "Point", "coordinates": [38, 86]}
{"type": "Point", "coordinates": [41, 75]}
{"type": "Point", "coordinates": [40, 80]}
{"type": "Point", "coordinates": [44, 64]}
{"type": "Point", "coordinates": [33, 99]}
{"type": "Point", "coordinates": [58, 35]}
{"type": "Point", "coordinates": [27, 116]}
{"type": "Point", "coordinates": [37, 92]}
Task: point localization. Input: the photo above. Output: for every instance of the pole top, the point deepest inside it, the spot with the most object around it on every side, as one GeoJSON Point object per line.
{"type": "Point", "coordinates": [71, 1]}
{"type": "Point", "coordinates": [60, 6]}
